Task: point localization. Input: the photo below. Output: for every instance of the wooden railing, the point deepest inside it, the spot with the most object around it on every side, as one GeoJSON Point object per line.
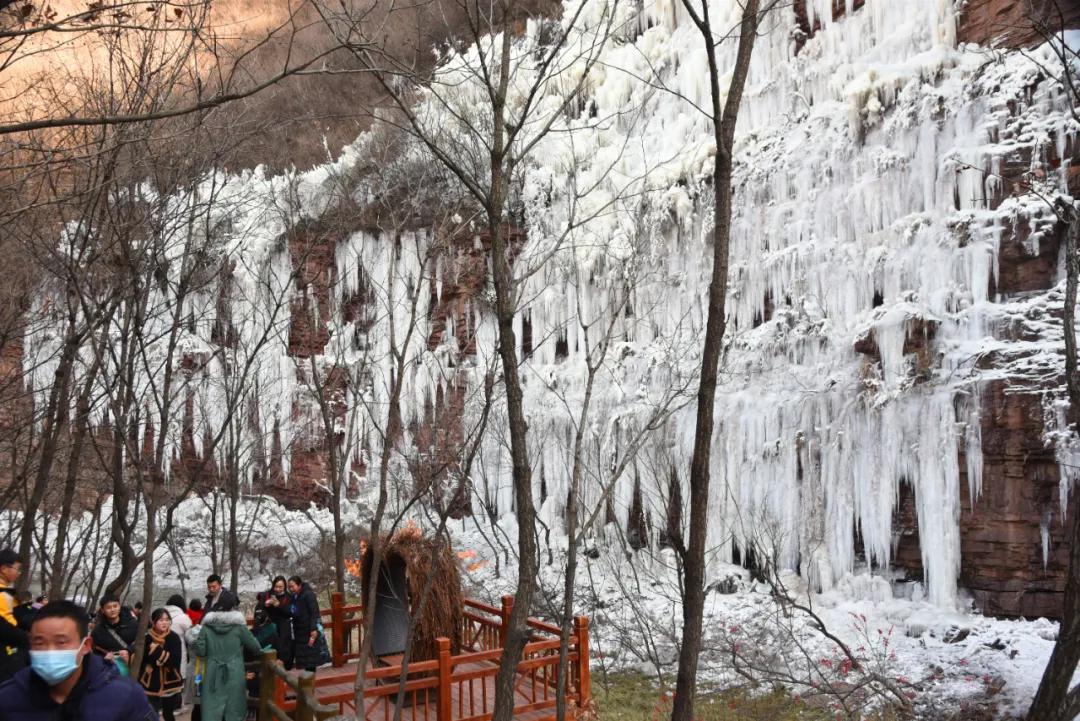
{"type": "Point", "coordinates": [447, 688]}
{"type": "Point", "coordinates": [273, 702]}
{"type": "Point", "coordinates": [346, 629]}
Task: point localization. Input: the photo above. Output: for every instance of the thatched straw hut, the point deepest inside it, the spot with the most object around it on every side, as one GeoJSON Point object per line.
{"type": "Point", "coordinates": [408, 557]}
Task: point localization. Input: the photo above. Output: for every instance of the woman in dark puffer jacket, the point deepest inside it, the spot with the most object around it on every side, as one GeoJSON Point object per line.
{"type": "Point", "coordinates": [304, 609]}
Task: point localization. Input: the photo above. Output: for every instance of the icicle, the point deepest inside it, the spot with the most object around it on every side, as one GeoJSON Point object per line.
{"type": "Point", "coordinates": [1044, 537]}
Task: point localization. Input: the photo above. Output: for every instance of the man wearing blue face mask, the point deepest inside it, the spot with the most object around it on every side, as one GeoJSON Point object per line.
{"type": "Point", "coordinates": [65, 681]}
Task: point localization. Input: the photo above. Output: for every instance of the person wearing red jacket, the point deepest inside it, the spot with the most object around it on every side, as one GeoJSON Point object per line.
{"type": "Point", "coordinates": [195, 611]}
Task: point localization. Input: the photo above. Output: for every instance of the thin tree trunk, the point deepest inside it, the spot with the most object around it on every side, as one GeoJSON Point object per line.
{"type": "Point", "coordinates": [517, 634]}
{"type": "Point", "coordinates": [148, 578]}
{"type": "Point", "coordinates": [693, 552]}
{"type": "Point", "coordinates": [505, 305]}
{"type": "Point", "coordinates": [339, 532]}
{"type": "Point", "coordinates": [97, 590]}
{"type": "Point", "coordinates": [391, 436]}
{"type": "Point", "coordinates": [56, 417]}
{"type": "Point", "coordinates": [234, 536]}
{"type": "Point", "coordinates": [82, 422]}
{"type": "Point", "coordinates": [572, 550]}
{"type": "Point", "coordinates": [58, 582]}
{"type": "Point", "coordinates": [123, 529]}
{"type": "Point", "coordinates": [215, 565]}
{"type": "Point", "coordinates": [593, 362]}
{"type": "Point", "coordinates": [375, 541]}
{"type": "Point", "coordinates": [337, 471]}
{"type": "Point", "coordinates": [232, 484]}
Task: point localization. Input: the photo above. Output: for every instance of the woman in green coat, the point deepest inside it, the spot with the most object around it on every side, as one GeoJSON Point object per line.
{"type": "Point", "coordinates": [221, 640]}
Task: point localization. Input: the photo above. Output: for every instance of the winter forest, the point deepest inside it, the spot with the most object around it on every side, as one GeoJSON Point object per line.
{"type": "Point", "coordinates": [743, 329]}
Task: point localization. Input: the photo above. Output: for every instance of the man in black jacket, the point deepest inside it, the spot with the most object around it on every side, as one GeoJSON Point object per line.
{"type": "Point", "coordinates": [14, 641]}
{"type": "Point", "coordinates": [219, 598]}
{"type": "Point", "coordinates": [115, 630]}
{"type": "Point", "coordinates": [65, 680]}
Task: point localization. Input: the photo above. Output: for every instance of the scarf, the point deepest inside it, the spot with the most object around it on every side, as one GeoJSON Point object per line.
{"type": "Point", "coordinates": [158, 638]}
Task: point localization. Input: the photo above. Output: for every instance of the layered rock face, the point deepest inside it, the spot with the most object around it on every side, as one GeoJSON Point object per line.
{"type": "Point", "coordinates": [1010, 23]}
{"type": "Point", "coordinates": [1013, 556]}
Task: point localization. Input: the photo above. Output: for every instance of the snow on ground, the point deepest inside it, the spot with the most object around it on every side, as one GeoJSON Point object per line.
{"type": "Point", "coordinates": [945, 659]}
{"type": "Point", "coordinates": [275, 540]}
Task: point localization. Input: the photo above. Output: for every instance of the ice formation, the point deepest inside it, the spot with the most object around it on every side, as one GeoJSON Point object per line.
{"type": "Point", "coordinates": [868, 220]}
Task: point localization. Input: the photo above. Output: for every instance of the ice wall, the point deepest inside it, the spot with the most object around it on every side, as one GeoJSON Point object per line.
{"type": "Point", "coordinates": [866, 235]}
{"type": "Point", "coordinates": [869, 205]}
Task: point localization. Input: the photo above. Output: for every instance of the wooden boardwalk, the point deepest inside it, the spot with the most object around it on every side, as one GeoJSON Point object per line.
{"type": "Point", "coordinates": [472, 698]}
{"type": "Point", "coordinates": [450, 687]}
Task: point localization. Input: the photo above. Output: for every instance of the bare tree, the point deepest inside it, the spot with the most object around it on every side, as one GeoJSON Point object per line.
{"type": "Point", "coordinates": [74, 150]}
{"type": "Point", "coordinates": [724, 112]}
{"type": "Point", "coordinates": [32, 33]}
{"type": "Point", "coordinates": [484, 138]}
{"type": "Point", "coordinates": [602, 328]}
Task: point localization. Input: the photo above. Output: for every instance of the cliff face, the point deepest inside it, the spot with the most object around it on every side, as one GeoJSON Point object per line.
{"type": "Point", "coordinates": [1013, 556]}
{"type": "Point", "coordinates": [1009, 23]}
{"type": "Point", "coordinates": [1009, 547]}
{"type": "Point", "coordinates": [894, 365]}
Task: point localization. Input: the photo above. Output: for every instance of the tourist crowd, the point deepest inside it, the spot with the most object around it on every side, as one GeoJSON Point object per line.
{"type": "Point", "coordinates": [57, 662]}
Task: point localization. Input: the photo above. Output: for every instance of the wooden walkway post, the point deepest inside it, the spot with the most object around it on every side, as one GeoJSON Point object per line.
{"type": "Point", "coordinates": [337, 629]}
{"type": "Point", "coordinates": [444, 707]}
{"type": "Point", "coordinates": [305, 694]}
{"type": "Point", "coordinates": [279, 693]}
{"type": "Point", "coordinates": [581, 630]}
{"type": "Point", "coordinates": [504, 629]}
{"type": "Point", "coordinates": [266, 685]}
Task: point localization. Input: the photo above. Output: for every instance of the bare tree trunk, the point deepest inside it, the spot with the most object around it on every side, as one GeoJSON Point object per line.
{"type": "Point", "coordinates": [572, 548]}
{"type": "Point", "coordinates": [693, 553]}
{"type": "Point", "coordinates": [148, 580]}
{"type": "Point", "coordinates": [391, 434]}
{"type": "Point", "coordinates": [393, 425]}
{"type": "Point", "coordinates": [1053, 700]}
{"type": "Point", "coordinates": [234, 536]}
{"type": "Point", "coordinates": [232, 486]}
{"type": "Point", "coordinates": [594, 359]}
{"type": "Point", "coordinates": [123, 528]}
{"type": "Point", "coordinates": [339, 532]}
{"type": "Point", "coordinates": [337, 471]}
{"type": "Point", "coordinates": [56, 415]}
{"type": "Point", "coordinates": [215, 565]}
{"type": "Point", "coordinates": [82, 422]}
{"type": "Point", "coordinates": [505, 303]}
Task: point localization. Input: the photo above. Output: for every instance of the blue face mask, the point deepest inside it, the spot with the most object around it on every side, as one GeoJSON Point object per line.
{"type": "Point", "coordinates": [54, 666]}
